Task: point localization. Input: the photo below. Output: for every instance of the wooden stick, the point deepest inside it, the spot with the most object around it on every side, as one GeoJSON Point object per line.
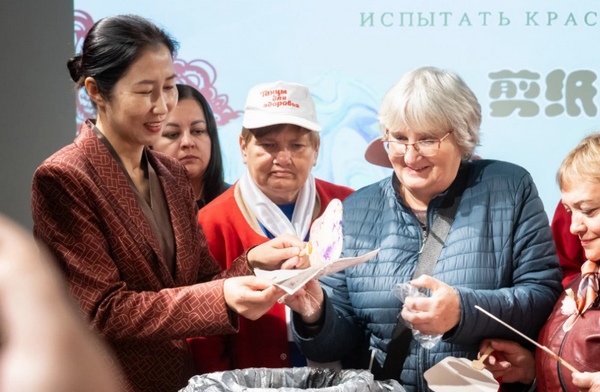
{"type": "Point", "coordinates": [546, 349]}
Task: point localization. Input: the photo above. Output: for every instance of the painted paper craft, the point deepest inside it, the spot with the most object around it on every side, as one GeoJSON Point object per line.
{"type": "Point", "coordinates": [326, 236]}
{"type": "Point", "coordinates": [324, 249]}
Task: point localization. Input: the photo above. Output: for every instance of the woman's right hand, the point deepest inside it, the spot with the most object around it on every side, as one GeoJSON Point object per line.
{"type": "Point", "coordinates": [509, 361]}
{"type": "Point", "coordinates": [250, 296]}
{"type": "Point", "coordinates": [281, 252]}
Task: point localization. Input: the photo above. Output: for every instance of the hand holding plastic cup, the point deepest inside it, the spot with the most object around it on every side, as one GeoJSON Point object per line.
{"type": "Point", "coordinates": [405, 290]}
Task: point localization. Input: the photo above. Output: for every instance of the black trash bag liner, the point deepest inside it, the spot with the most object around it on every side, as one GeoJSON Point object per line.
{"type": "Point", "coordinates": [290, 380]}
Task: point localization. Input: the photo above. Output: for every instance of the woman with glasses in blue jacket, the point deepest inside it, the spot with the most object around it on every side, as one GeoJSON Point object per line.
{"type": "Point", "coordinates": [498, 253]}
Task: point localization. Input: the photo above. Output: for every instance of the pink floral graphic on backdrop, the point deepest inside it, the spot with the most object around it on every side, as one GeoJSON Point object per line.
{"type": "Point", "coordinates": [197, 73]}
{"type": "Point", "coordinates": [202, 75]}
{"type": "Point", "coordinates": [83, 24]}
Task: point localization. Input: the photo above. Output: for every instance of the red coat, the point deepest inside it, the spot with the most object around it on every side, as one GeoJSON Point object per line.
{"type": "Point", "coordinates": [568, 247]}
{"type": "Point", "coordinates": [260, 343]}
{"type": "Point", "coordinates": [86, 213]}
{"type": "Point", "coordinates": [580, 346]}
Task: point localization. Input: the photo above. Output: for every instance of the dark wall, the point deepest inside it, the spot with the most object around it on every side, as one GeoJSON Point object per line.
{"type": "Point", "coordinates": [37, 99]}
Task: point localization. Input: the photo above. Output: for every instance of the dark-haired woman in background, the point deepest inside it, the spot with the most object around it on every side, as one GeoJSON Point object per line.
{"type": "Point", "coordinates": [190, 136]}
{"type": "Point", "coordinates": [120, 219]}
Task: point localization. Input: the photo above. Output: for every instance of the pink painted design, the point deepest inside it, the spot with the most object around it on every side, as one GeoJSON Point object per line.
{"type": "Point", "coordinates": [326, 235]}
{"type": "Point", "coordinates": [196, 73]}
{"type": "Point", "coordinates": [83, 24]}
{"type": "Point", "coordinates": [202, 75]}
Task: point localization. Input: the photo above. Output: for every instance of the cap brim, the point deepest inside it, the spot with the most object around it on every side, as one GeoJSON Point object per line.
{"type": "Point", "coordinates": [252, 121]}
{"type": "Point", "coordinates": [376, 154]}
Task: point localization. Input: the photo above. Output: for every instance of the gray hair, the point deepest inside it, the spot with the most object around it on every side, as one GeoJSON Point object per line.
{"type": "Point", "coordinates": [432, 100]}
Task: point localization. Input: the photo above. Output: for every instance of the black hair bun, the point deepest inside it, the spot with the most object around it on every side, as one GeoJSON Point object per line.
{"type": "Point", "coordinates": [74, 66]}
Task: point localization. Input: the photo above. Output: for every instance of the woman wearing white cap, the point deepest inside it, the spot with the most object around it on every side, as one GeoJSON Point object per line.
{"type": "Point", "coordinates": [279, 144]}
{"type": "Point", "coordinates": [498, 252]}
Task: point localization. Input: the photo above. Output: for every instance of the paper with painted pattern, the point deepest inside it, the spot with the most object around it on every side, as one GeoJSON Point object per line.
{"type": "Point", "coordinates": [324, 249]}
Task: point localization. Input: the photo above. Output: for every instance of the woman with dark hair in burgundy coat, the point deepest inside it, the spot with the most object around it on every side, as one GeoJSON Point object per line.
{"type": "Point", "coordinates": [121, 218]}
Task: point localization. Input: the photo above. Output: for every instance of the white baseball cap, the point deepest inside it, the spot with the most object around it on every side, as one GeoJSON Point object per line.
{"type": "Point", "coordinates": [280, 103]}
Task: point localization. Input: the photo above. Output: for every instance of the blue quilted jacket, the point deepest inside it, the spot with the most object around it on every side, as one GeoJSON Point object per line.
{"type": "Point", "coordinates": [499, 254]}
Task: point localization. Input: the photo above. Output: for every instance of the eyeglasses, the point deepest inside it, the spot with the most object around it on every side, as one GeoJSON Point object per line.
{"type": "Point", "coordinates": [426, 148]}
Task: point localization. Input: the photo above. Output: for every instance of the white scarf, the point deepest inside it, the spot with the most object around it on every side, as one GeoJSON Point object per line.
{"type": "Point", "coordinates": [271, 216]}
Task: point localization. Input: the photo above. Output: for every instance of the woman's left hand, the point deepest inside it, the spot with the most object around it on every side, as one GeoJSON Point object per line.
{"type": "Point", "coordinates": [308, 301]}
{"type": "Point", "coordinates": [281, 252]}
{"type": "Point", "coordinates": [435, 314]}
{"type": "Point", "coordinates": [587, 381]}
{"type": "Point", "coordinates": [509, 361]}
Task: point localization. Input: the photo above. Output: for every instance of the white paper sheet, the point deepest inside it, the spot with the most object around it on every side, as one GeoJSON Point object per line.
{"type": "Point", "coordinates": [457, 375]}
{"type": "Point", "coordinates": [292, 280]}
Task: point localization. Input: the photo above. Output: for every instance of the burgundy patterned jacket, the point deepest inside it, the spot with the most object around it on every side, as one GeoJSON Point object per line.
{"type": "Point", "coordinates": [86, 213]}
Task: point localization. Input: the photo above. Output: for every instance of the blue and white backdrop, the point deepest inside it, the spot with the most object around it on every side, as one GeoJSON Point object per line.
{"type": "Point", "coordinates": [533, 65]}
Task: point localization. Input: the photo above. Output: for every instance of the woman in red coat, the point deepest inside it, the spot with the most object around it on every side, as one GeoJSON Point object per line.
{"type": "Point", "coordinates": [120, 219]}
{"type": "Point", "coordinates": [279, 144]}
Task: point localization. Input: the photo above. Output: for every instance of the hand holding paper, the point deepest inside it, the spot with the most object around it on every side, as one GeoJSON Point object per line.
{"type": "Point", "coordinates": [323, 249]}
